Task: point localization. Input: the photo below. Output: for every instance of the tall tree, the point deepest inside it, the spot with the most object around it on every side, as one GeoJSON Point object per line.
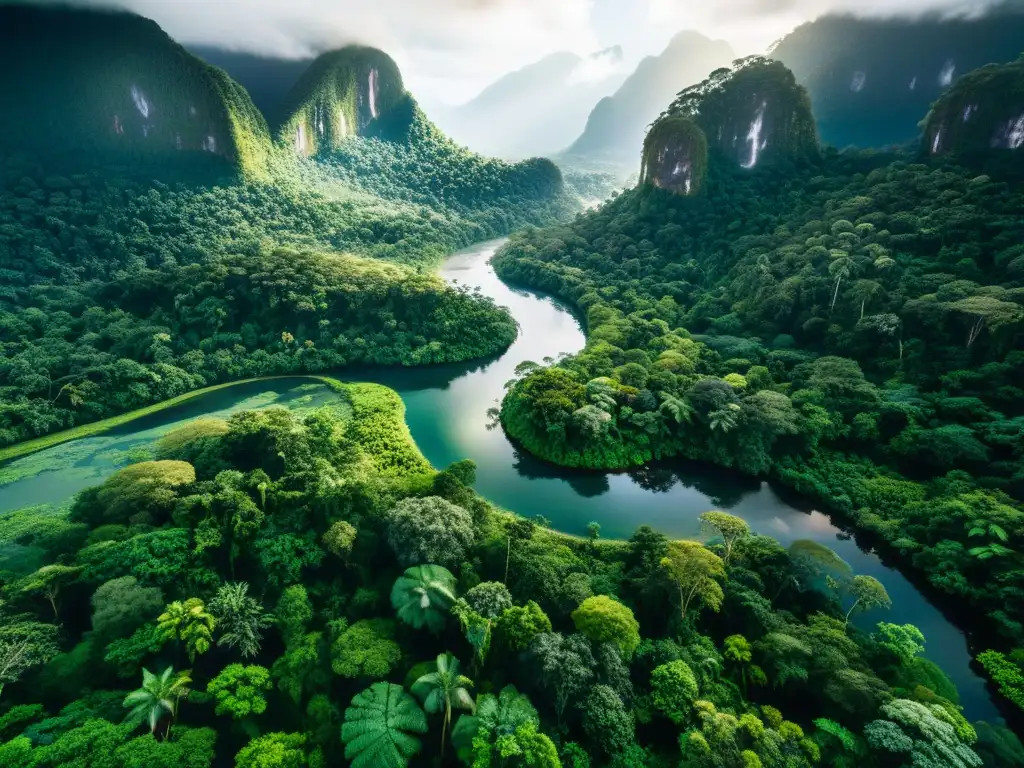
{"type": "Point", "coordinates": [603, 620]}
{"type": "Point", "coordinates": [566, 665]}
{"type": "Point", "coordinates": [48, 582]}
{"type": "Point", "coordinates": [695, 571]}
{"type": "Point", "coordinates": [867, 593]}
{"type": "Point", "coordinates": [729, 527]}
{"type": "Point", "coordinates": [24, 645]}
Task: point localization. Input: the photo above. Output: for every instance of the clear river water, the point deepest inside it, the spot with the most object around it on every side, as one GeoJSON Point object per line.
{"type": "Point", "coordinates": [446, 408]}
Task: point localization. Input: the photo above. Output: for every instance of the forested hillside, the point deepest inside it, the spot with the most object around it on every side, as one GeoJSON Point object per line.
{"type": "Point", "coordinates": [850, 325]}
{"type": "Point", "coordinates": [100, 306]}
{"type": "Point", "coordinates": [276, 592]}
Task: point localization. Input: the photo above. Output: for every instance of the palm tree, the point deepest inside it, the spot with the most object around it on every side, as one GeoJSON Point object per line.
{"type": "Point", "coordinates": [189, 623]}
{"type": "Point", "coordinates": [158, 694]}
{"type": "Point", "coordinates": [443, 690]}
{"type": "Point", "coordinates": [239, 618]}
{"type": "Point", "coordinates": [423, 596]}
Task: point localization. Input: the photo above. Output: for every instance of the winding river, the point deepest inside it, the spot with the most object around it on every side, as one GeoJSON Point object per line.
{"type": "Point", "coordinates": [446, 408]}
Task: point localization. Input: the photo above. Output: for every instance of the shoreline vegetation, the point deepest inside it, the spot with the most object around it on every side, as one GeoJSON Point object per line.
{"type": "Point", "coordinates": [367, 399]}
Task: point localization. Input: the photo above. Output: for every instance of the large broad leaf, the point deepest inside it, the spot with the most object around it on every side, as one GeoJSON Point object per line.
{"type": "Point", "coordinates": [423, 596]}
{"type": "Point", "coordinates": [378, 727]}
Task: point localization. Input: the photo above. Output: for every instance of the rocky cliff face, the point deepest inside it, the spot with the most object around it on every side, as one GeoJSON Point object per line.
{"type": "Point", "coordinates": [675, 156]}
{"type": "Point", "coordinates": [982, 114]}
{"type": "Point", "coordinates": [750, 115]}
{"type": "Point", "coordinates": [354, 91]}
{"type": "Point", "coordinates": [83, 84]}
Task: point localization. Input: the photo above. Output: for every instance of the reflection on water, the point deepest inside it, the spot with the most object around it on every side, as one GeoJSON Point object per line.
{"type": "Point", "coordinates": [447, 411]}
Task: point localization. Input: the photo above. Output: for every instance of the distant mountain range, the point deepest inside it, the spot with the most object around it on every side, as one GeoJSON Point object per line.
{"type": "Point", "coordinates": [617, 125]}
{"type": "Point", "coordinates": [537, 110]}
{"type": "Point", "coordinates": [871, 81]}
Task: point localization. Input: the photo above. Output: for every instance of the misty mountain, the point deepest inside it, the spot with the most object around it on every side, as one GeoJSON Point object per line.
{"type": "Point", "coordinates": [536, 110]}
{"type": "Point", "coordinates": [268, 80]}
{"type": "Point", "coordinates": [617, 125]}
{"type": "Point", "coordinates": [871, 81]}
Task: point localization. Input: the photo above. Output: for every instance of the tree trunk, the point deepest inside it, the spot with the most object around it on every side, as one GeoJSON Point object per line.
{"type": "Point", "coordinates": [849, 612]}
{"type": "Point", "coordinates": [508, 556]}
{"type": "Point", "coordinates": [975, 331]}
{"type": "Point", "coordinates": [863, 302]}
{"type": "Point", "coordinates": [444, 728]}
{"type": "Point", "coordinates": [836, 294]}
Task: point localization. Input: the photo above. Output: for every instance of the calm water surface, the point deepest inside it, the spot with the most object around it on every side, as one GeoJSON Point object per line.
{"type": "Point", "coordinates": [446, 408]}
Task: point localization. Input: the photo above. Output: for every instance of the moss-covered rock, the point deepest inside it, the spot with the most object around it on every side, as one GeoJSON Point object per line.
{"type": "Point", "coordinates": [354, 91]}
{"type": "Point", "coordinates": [86, 84]}
{"type": "Point", "coordinates": [675, 156]}
{"type": "Point", "coordinates": [982, 114]}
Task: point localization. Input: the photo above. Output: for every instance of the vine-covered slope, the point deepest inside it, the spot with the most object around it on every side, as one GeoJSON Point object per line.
{"type": "Point", "coordinates": [114, 85]}
{"type": "Point", "coordinates": [851, 326]}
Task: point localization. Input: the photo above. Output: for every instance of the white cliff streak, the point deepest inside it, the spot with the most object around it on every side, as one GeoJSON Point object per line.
{"type": "Point", "coordinates": [754, 137]}
{"type": "Point", "coordinates": [141, 103]}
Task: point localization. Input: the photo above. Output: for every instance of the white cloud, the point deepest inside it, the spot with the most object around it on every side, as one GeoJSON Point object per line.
{"type": "Point", "coordinates": [751, 26]}
{"type": "Point", "coordinates": [451, 49]}
{"type": "Point", "coordinates": [447, 49]}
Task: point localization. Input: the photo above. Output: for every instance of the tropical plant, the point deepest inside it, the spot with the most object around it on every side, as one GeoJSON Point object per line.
{"type": "Point", "coordinates": [695, 571]}
{"type": "Point", "coordinates": [423, 596]}
{"type": "Point", "coordinates": [188, 623]}
{"type": "Point", "coordinates": [444, 689]}
{"type": "Point", "coordinates": [159, 695]}
{"type": "Point", "coordinates": [239, 618]}
{"type": "Point", "coordinates": [240, 690]}
{"type": "Point", "coordinates": [379, 727]}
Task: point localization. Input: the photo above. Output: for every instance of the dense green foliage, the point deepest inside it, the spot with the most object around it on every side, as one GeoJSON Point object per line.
{"type": "Point", "coordinates": [852, 329]}
{"type": "Point", "coordinates": [83, 354]}
{"type": "Point", "coordinates": [122, 287]}
{"type": "Point", "coordinates": [225, 567]}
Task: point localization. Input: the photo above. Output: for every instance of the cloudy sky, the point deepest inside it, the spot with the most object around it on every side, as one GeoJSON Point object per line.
{"type": "Point", "coordinates": [450, 49]}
